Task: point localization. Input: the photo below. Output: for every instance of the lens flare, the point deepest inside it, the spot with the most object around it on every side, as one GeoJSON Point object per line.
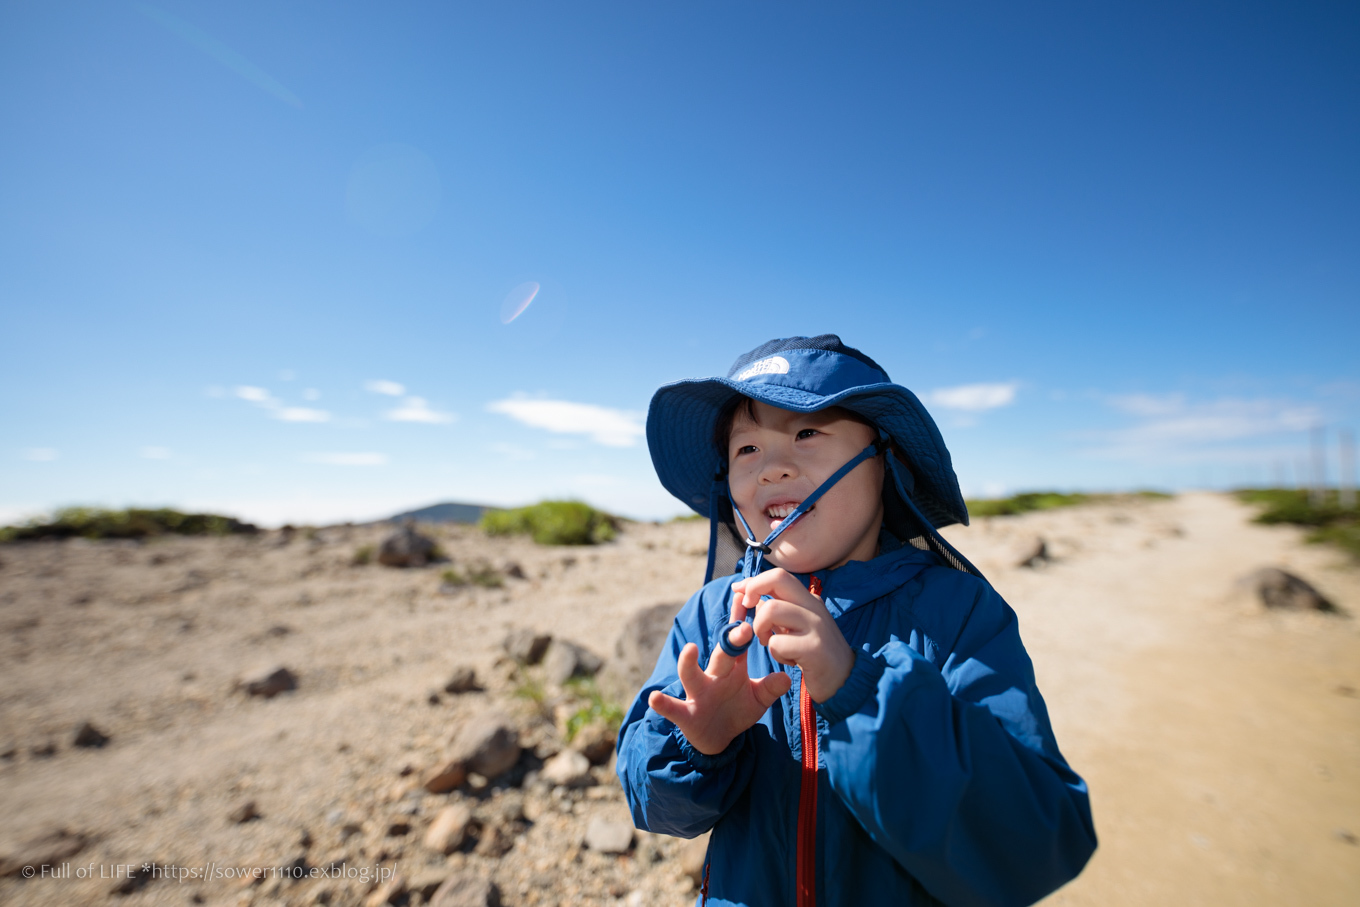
{"type": "Point", "coordinates": [517, 301]}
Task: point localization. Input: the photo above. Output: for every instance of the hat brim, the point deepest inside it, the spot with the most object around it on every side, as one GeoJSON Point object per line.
{"type": "Point", "coordinates": [683, 415]}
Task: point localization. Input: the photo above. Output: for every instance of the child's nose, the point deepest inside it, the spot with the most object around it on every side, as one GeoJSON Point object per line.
{"type": "Point", "coordinates": [778, 467]}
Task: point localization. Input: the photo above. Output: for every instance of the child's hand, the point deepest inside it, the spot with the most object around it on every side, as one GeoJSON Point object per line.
{"type": "Point", "coordinates": [797, 629]}
{"type": "Point", "coordinates": [719, 703]}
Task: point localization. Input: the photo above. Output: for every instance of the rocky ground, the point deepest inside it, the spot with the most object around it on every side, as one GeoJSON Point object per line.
{"type": "Point", "coordinates": [1221, 739]}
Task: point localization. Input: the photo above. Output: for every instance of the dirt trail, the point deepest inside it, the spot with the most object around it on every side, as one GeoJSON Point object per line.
{"type": "Point", "coordinates": [1221, 742]}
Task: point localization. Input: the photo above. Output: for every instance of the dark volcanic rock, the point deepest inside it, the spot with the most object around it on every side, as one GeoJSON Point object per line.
{"type": "Point", "coordinates": [636, 650]}
{"type": "Point", "coordinates": [527, 646]}
{"type": "Point", "coordinates": [89, 736]}
{"type": "Point", "coordinates": [462, 680]}
{"type": "Point", "coordinates": [1280, 589]}
{"type": "Point", "coordinates": [280, 680]}
{"type": "Point", "coordinates": [566, 660]}
{"type": "Point", "coordinates": [406, 548]}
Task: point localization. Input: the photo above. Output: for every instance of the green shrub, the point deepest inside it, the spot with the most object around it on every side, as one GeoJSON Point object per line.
{"type": "Point", "coordinates": [479, 574]}
{"type": "Point", "coordinates": [596, 707]}
{"type": "Point", "coordinates": [363, 555]}
{"type": "Point", "coordinates": [553, 523]}
{"type": "Point", "coordinates": [133, 523]}
{"type": "Point", "coordinates": [1331, 523]}
{"type": "Point", "coordinates": [1047, 500]}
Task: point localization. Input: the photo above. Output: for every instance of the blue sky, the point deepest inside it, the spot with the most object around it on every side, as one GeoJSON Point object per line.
{"type": "Point", "coordinates": [253, 256]}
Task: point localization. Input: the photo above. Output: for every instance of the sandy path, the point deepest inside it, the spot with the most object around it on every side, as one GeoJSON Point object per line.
{"type": "Point", "coordinates": [1220, 741]}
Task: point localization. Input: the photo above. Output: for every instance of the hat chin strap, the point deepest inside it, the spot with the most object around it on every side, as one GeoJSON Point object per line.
{"type": "Point", "coordinates": [754, 560]}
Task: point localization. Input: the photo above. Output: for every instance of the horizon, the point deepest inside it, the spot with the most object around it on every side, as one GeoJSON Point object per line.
{"type": "Point", "coordinates": [305, 267]}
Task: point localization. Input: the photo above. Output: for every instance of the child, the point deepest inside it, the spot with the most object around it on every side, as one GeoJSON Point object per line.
{"type": "Point", "coordinates": [885, 742]}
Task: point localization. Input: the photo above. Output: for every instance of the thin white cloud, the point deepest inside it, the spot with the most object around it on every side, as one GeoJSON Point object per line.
{"type": "Point", "coordinates": [346, 459]}
{"type": "Point", "coordinates": [262, 398]}
{"type": "Point", "coordinates": [311, 393]}
{"type": "Point", "coordinates": [301, 414]}
{"type": "Point", "coordinates": [156, 453]}
{"type": "Point", "coordinates": [41, 454]}
{"type": "Point", "coordinates": [610, 427]}
{"type": "Point", "coordinates": [390, 388]}
{"type": "Point", "coordinates": [973, 397]}
{"type": "Point", "coordinates": [416, 409]}
{"type": "Point", "coordinates": [1148, 404]}
{"type": "Point", "coordinates": [1171, 426]}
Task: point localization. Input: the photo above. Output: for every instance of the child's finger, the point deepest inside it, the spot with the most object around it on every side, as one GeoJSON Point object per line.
{"type": "Point", "coordinates": [673, 710]}
{"type": "Point", "coordinates": [780, 584]}
{"type": "Point", "coordinates": [739, 636]}
{"type": "Point", "coordinates": [777, 616]}
{"type": "Point", "coordinates": [687, 667]}
{"type": "Point", "coordinates": [771, 687]}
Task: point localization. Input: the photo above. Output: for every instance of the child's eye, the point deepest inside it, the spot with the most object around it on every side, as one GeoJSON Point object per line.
{"type": "Point", "coordinates": [749, 448]}
{"type": "Point", "coordinates": [807, 433]}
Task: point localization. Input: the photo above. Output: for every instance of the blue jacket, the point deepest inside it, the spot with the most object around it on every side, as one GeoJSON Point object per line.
{"type": "Point", "coordinates": [939, 780]}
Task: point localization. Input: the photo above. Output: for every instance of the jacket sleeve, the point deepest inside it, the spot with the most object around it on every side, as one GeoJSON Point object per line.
{"type": "Point", "coordinates": [671, 787]}
{"type": "Point", "coordinates": [954, 770]}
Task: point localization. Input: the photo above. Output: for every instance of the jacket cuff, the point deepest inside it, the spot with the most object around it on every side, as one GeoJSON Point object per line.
{"type": "Point", "coordinates": [858, 687]}
{"type": "Point", "coordinates": [703, 762]}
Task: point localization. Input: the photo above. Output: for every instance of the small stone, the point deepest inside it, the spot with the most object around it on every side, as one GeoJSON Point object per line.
{"type": "Point", "coordinates": [406, 548]}
{"type": "Point", "coordinates": [595, 741]}
{"type": "Point", "coordinates": [44, 750]}
{"type": "Point", "coordinates": [608, 836]}
{"type": "Point", "coordinates": [1033, 554]}
{"type": "Point", "coordinates": [388, 892]}
{"type": "Point", "coordinates": [1282, 590]}
{"type": "Point", "coordinates": [487, 744]}
{"type": "Point", "coordinates": [133, 882]}
{"type": "Point", "coordinates": [446, 776]}
{"type": "Point", "coordinates": [304, 838]}
{"type": "Point", "coordinates": [47, 849]}
{"type": "Point", "coordinates": [449, 829]}
{"type": "Point", "coordinates": [566, 660]}
{"type": "Point", "coordinates": [568, 768]}
{"type": "Point", "coordinates": [244, 813]}
{"type": "Point", "coordinates": [527, 646]}
{"type": "Point", "coordinates": [494, 842]}
{"type": "Point", "coordinates": [398, 827]}
{"type": "Point", "coordinates": [426, 882]}
{"type": "Point", "coordinates": [88, 735]}
{"type": "Point", "coordinates": [466, 892]}
{"type": "Point", "coordinates": [513, 571]}
{"type": "Point", "coordinates": [462, 680]}
{"type": "Point", "coordinates": [279, 680]}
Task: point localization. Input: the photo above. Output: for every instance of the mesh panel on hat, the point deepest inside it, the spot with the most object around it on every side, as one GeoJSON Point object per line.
{"type": "Point", "coordinates": [820, 342]}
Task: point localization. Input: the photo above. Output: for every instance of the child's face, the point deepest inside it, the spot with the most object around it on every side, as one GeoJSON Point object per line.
{"type": "Point", "coordinates": [781, 458]}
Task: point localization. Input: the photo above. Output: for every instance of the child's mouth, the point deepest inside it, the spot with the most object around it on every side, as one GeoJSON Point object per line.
{"type": "Point", "coordinates": [780, 511]}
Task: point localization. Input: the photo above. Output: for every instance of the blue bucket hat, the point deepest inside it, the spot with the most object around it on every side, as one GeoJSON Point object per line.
{"type": "Point", "coordinates": [805, 374]}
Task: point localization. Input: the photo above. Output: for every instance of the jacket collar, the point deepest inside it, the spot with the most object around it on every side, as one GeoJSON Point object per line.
{"type": "Point", "coordinates": [860, 582]}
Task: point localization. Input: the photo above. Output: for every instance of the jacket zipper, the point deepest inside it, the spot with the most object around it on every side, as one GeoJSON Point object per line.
{"type": "Point", "coordinates": [807, 795]}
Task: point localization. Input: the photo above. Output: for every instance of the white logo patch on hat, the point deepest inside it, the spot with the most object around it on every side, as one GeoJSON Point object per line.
{"type": "Point", "coordinates": [775, 365]}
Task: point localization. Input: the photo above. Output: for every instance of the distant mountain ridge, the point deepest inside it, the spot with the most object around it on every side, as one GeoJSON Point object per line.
{"type": "Point", "coordinates": [448, 512]}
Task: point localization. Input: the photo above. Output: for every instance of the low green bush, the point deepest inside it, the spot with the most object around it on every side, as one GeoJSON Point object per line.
{"type": "Point", "coordinates": [1331, 523]}
{"type": "Point", "coordinates": [132, 523]}
{"type": "Point", "coordinates": [553, 523]}
{"type": "Point", "coordinates": [1047, 500]}
{"type": "Point", "coordinates": [363, 555]}
{"type": "Point", "coordinates": [596, 706]}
